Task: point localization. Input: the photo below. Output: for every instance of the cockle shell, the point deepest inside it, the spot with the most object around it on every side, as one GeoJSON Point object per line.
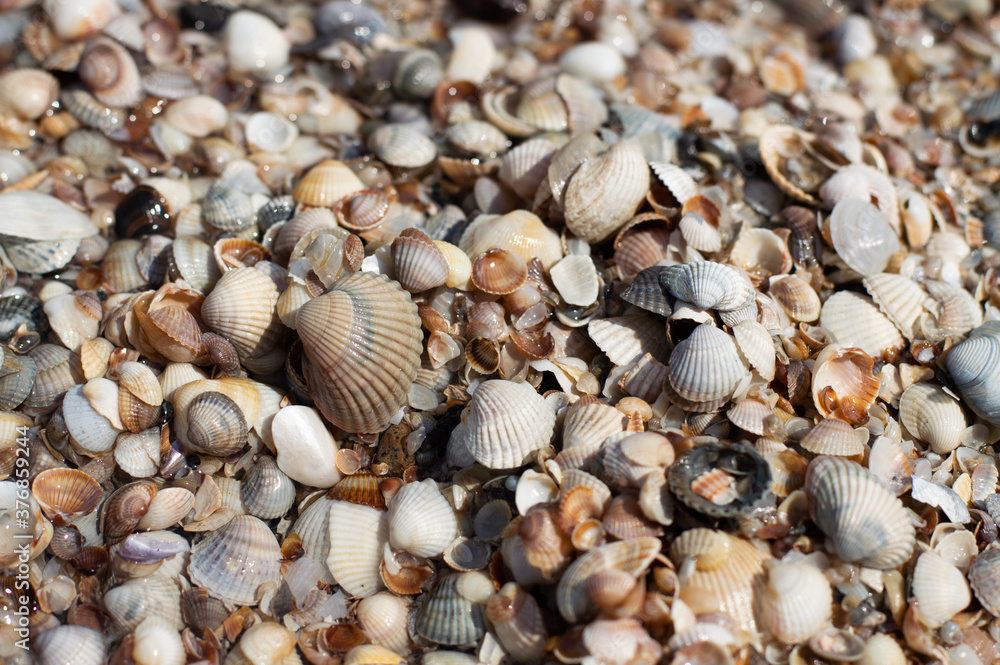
{"type": "Point", "coordinates": [854, 320]}
{"type": "Point", "coordinates": [625, 339]}
{"type": "Point", "coordinates": [421, 521]}
{"type": "Point", "coordinates": [974, 366]}
{"type": "Point", "coordinates": [797, 601]}
{"type": "Point", "coordinates": [520, 231]}
{"type": "Point", "coordinates": [233, 562]}
{"type": "Point", "coordinates": [402, 145]}
{"type": "Point", "coordinates": [756, 345]}
{"type": "Point", "coordinates": [940, 588]}
{"type": "Point", "coordinates": [71, 644]}
{"type": "Point", "coordinates": [362, 343]}
{"type": "Point", "coordinates": [357, 537]}
{"type": "Point", "coordinates": [705, 366]}
{"type": "Point", "coordinates": [862, 236]}
{"type": "Point", "coordinates": [708, 285]}
{"type": "Point", "coordinates": [985, 581]}
{"type": "Point", "coordinates": [605, 191]}
{"type": "Point", "coordinates": [832, 436]}
{"type": "Point", "coordinates": [137, 599]}
{"type": "Point", "coordinates": [899, 298]}
{"type": "Point", "coordinates": [518, 622]}
{"type": "Point", "coordinates": [865, 523]}
{"type": "Point", "coordinates": [631, 556]}
{"type": "Point", "coordinates": [505, 424]}
{"type": "Point", "coordinates": [65, 494]}
{"type": "Point", "coordinates": [843, 382]}
{"type": "Point", "coordinates": [453, 612]}
{"type": "Point", "coordinates": [110, 73]}
{"type": "Point", "coordinates": [241, 309]}
{"type": "Point", "coordinates": [933, 416]}
{"type": "Point", "coordinates": [325, 184]}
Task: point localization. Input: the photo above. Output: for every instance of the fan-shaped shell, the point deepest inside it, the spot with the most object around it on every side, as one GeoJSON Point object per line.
{"type": "Point", "coordinates": [499, 272]}
{"type": "Point", "coordinates": [384, 618]}
{"type": "Point", "coordinates": [899, 298]}
{"type": "Point", "coordinates": [984, 576]}
{"type": "Point", "coordinates": [362, 342]}
{"type": "Point", "coordinates": [313, 528]}
{"type": "Point", "coordinates": [832, 436]}
{"type": "Point", "coordinates": [625, 339]}
{"type": "Point", "coordinates": [233, 562]}
{"type": "Point", "coordinates": [525, 166]}
{"type": "Point", "coordinates": [518, 622]}
{"type": "Point", "coordinates": [402, 145]}
{"type": "Point", "coordinates": [933, 416]}
{"type": "Point", "coordinates": [797, 601]}
{"type": "Point", "coordinates": [974, 366]}
{"type": "Point", "coordinates": [266, 491]}
{"type": "Point", "coordinates": [604, 192]}
{"type": "Point", "coordinates": [520, 231]}
{"type": "Point", "coordinates": [940, 588]}
{"type": "Point", "coordinates": [66, 494]}
{"type": "Point", "coordinates": [137, 599]}
{"type": "Point", "coordinates": [506, 423]}
{"type": "Point", "coordinates": [241, 308]}
{"type": "Point", "coordinates": [70, 644]}
{"type": "Point", "coordinates": [705, 366]}
{"type": "Point", "coordinates": [453, 612]}
{"type": "Point", "coordinates": [708, 285]}
{"type": "Point", "coordinates": [631, 556]}
{"type": "Point", "coordinates": [852, 319]}
{"type": "Point", "coordinates": [646, 292]}
{"type": "Point", "coordinates": [419, 263]}
{"type": "Point", "coordinates": [865, 523]}
{"type": "Point", "coordinates": [421, 521]}
{"type": "Point", "coordinates": [757, 347]}
{"type": "Point", "coordinates": [357, 536]}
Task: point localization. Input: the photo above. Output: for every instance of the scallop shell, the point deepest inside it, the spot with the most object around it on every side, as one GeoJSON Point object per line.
{"type": "Point", "coordinates": [853, 320]}
{"type": "Point", "coordinates": [940, 588]}
{"type": "Point", "coordinates": [418, 262]}
{"type": "Point", "coordinates": [326, 184]}
{"type": "Point", "coordinates": [453, 612]}
{"type": "Point", "coordinates": [630, 556]}
{"type": "Point", "coordinates": [70, 644]}
{"type": "Point", "coordinates": [985, 581]}
{"type": "Point", "coordinates": [899, 298]}
{"type": "Point", "coordinates": [241, 308]}
{"type": "Point", "coordinates": [832, 436]}
{"type": "Point", "coordinates": [421, 521]}
{"type": "Point", "coordinates": [642, 243]}
{"type": "Point", "coordinates": [65, 495]}
{"type": "Point", "coordinates": [757, 347]}
{"type": "Point", "coordinates": [705, 366]}
{"type": "Point", "coordinates": [505, 424]}
{"type": "Point", "coordinates": [402, 145]}
{"type": "Point", "coordinates": [625, 339]}
{"type": "Point", "coordinates": [796, 602]}
{"type": "Point", "coordinates": [707, 285]}
{"type": "Point", "coordinates": [865, 523]}
{"type": "Point", "coordinates": [588, 425]}
{"type": "Point", "coordinates": [646, 292]}
{"type": "Point", "coordinates": [525, 166]}
{"type": "Point", "coordinates": [605, 191]}
{"type": "Point", "coordinates": [245, 546]}
{"type": "Point", "coordinates": [933, 416]}
{"type": "Point", "coordinates": [357, 537]}
{"type": "Point", "coordinates": [361, 358]}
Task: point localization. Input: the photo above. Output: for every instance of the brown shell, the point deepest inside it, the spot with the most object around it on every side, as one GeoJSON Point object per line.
{"type": "Point", "coordinates": [66, 494]}
{"type": "Point", "coordinates": [361, 488]}
{"type": "Point", "coordinates": [362, 343]}
{"type": "Point", "coordinates": [419, 263]}
{"type": "Point", "coordinates": [499, 272]}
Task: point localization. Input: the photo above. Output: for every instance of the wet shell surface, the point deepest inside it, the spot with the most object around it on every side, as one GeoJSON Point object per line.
{"type": "Point", "coordinates": [357, 535]}
{"type": "Point", "coordinates": [362, 343]}
{"type": "Point", "coordinates": [864, 522]}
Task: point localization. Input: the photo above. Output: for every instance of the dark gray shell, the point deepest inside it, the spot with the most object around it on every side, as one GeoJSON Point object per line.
{"type": "Point", "coordinates": [647, 293]}
{"type": "Point", "coordinates": [740, 459]}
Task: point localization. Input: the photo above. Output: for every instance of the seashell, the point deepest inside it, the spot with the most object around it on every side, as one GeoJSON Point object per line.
{"type": "Point", "coordinates": [358, 535]}
{"type": "Point", "coordinates": [120, 513]}
{"type": "Point", "coordinates": [974, 372]}
{"type": "Point", "coordinates": [868, 185]}
{"type": "Point", "coordinates": [361, 487]}
{"type": "Point", "coordinates": [82, 106]}
{"type": "Point", "coordinates": [241, 308]}
{"type": "Point", "coordinates": [519, 231]}
{"type": "Point", "coordinates": [265, 642]}
{"type": "Point", "coordinates": [325, 184]}
{"type": "Point", "coordinates": [477, 137]}
{"type": "Point", "coordinates": [756, 345]}
{"type": "Point", "coordinates": [499, 272]}
{"type": "Point", "coordinates": [576, 279]}
{"type": "Point", "coordinates": [363, 210]}
{"type": "Point", "coordinates": [883, 649]}
{"type": "Point", "coordinates": [605, 191]}
{"type": "Point", "coordinates": [453, 612]}
{"type": "Point", "coordinates": [783, 151]}
{"type": "Point", "coordinates": [194, 262]}
{"type": "Point", "coordinates": [843, 382]}
{"type": "Point", "coordinates": [526, 165]}
{"type": "Point", "coordinates": [854, 320]}
{"type": "Point", "coordinates": [796, 297]}
{"type": "Point", "coordinates": [418, 262]}
{"type": "Point", "coordinates": [642, 243]}
{"type": "Point", "coordinates": [138, 454]}
{"type": "Point", "coordinates": [65, 495]}
{"type": "Point", "coordinates": [983, 578]}
{"type": "Point", "coordinates": [74, 317]}
{"type": "Point", "coordinates": [110, 73]}
{"type": "Point", "coordinates": [832, 436]}
{"type": "Point", "coordinates": [28, 92]}
{"type": "Point", "coordinates": [864, 522]}
{"type": "Point", "coordinates": [384, 618]}
{"type": "Point", "coordinates": [958, 312]}
{"type": "Point", "coordinates": [899, 298]}
{"type": "Point", "coordinates": [941, 496]}
{"type": "Point", "coordinates": [750, 415]}
{"type": "Point", "coordinates": [228, 209]}
{"type": "Point", "coordinates": [646, 292]}
{"type": "Point", "coordinates": [245, 544]}
{"type": "Point", "coordinates": [266, 491]}
{"type": "Point", "coordinates": [707, 285]}
{"type": "Point", "coordinates": [491, 519]}
{"type": "Point", "coordinates": [91, 430]}
{"type": "Point", "coordinates": [933, 416]}
{"type": "Point", "coordinates": [157, 596]}
{"type": "Point", "coordinates": [166, 509]}
{"type": "Point", "coordinates": [518, 623]}
{"type": "Point", "coordinates": [402, 145]}
{"type": "Point", "coordinates": [421, 521]}
{"type": "Point", "coordinates": [719, 480]}
{"type": "Point", "coordinates": [505, 424]}
{"type": "Point", "coordinates": [214, 424]}
{"type": "Point", "coordinates": [797, 601]}
{"type": "Point", "coordinates": [53, 369]}
{"type": "Point", "coordinates": [313, 529]}
{"type": "Point", "coordinates": [630, 556]}
{"type": "Point", "coordinates": [940, 588]}
{"type": "Point", "coordinates": [362, 391]}
{"type": "Point", "coordinates": [418, 74]}
{"type": "Point", "coordinates": [626, 339]}
{"type": "Point", "coordinates": [156, 642]}
{"type": "Point", "coordinates": [70, 644]}
{"type": "Point", "coordinates": [467, 554]}
{"type": "Point", "coordinates": [306, 450]}
{"type": "Point", "coordinates": [706, 347]}
{"type": "Point", "coordinates": [862, 236]}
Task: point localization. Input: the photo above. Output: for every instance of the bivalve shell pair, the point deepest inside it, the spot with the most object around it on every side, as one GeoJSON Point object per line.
{"type": "Point", "coordinates": [866, 524]}
{"type": "Point", "coordinates": [233, 562]}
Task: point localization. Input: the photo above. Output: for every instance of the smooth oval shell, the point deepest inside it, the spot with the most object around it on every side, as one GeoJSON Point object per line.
{"type": "Point", "coordinates": [306, 450]}
{"type": "Point", "coordinates": [506, 424]}
{"type": "Point", "coordinates": [403, 146]}
{"type": "Point", "coordinates": [233, 562]}
{"type": "Point", "coordinates": [865, 523]}
{"type": "Point", "coordinates": [362, 343]}
{"type": "Point", "coordinates": [862, 236]}
{"type": "Point", "coordinates": [940, 588]}
{"type": "Point", "coordinates": [70, 644]}
{"type": "Point", "coordinates": [933, 416]}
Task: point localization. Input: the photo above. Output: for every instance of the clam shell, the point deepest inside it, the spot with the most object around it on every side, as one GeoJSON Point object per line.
{"type": "Point", "coordinates": [453, 612]}
{"type": "Point", "coordinates": [933, 416]}
{"type": "Point", "coordinates": [974, 366]}
{"type": "Point", "coordinates": [138, 454]}
{"type": "Point", "coordinates": [357, 537]}
{"type": "Point", "coordinates": [65, 495]}
{"type": "Point", "coordinates": [868, 185]}
{"type": "Point", "coordinates": [384, 617]}
{"type": "Point", "coordinates": [129, 604]}
{"type": "Point", "coordinates": [843, 382]}
{"type": "Point", "coordinates": [215, 424]}
{"type": "Point", "coordinates": [361, 357]}
{"type": "Point", "coordinates": [477, 137]}
{"type": "Point", "coordinates": [70, 644]}
{"type": "Point", "coordinates": [750, 415]}
{"type": "Point", "coordinates": [576, 279]}
{"type": "Point", "coordinates": [266, 491]}
{"type": "Point", "coordinates": [326, 184]}
{"type": "Point", "coordinates": [306, 449]}
{"type": "Point", "coordinates": [518, 623]}
{"type": "Point", "coordinates": [499, 272]}
{"type": "Point", "coordinates": [705, 366]}
{"type": "Point", "coordinates": [605, 191]}
{"type": "Point", "coordinates": [940, 588]}
{"type": "Point", "coordinates": [520, 231]}
{"type": "Point", "coordinates": [646, 292]}
{"type": "Point", "coordinates": [233, 562]}
{"type": "Point", "coordinates": [241, 308]}
{"type": "Point", "coordinates": [865, 523]}
{"type": "Point", "coordinates": [402, 145]}
{"type": "Point", "coordinates": [418, 262]}
{"type": "Point", "coordinates": [313, 528]}
{"type": "Point", "coordinates": [796, 602]}
{"type": "Point", "coordinates": [985, 581]}
{"type": "Point", "coordinates": [91, 430]}
{"type": "Point", "coordinates": [194, 261]}
{"type": "Point", "coordinates": [110, 73]}
{"type": "Point", "coordinates": [796, 297]}
{"type": "Point", "coordinates": [832, 436]}
{"type": "Point", "coordinates": [421, 521]}
{"type": "Point", "coordinates": [853, 320]}
{"type": "Point", "coordinates": [166, 509]}
{"type": "Point", "coordinates": [862, 236]}
{"type": "Point", "coordinates": [525, 166]}
{"type": "Point", "coordinates": [707, 285]}
{"type": "Point", "coordinates": [757, 347]}
{"type": "Point", "coordinates": [626, 339]}
{"type": "Point", "coordinates": [899, 298]}
{"type": "Point", "coordinates": [630, 556]}
{"type": "Point", "coordinates": [586, 426]}
{"type": "Point", "coordinates": [506, 423]}
{"type": "Point", "coordinates": [642, 243]}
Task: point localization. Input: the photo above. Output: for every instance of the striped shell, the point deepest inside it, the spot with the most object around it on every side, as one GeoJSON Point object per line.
{"type": "Point", "coordinates": [933, 416]}
{"type": "Point", "coordinates": [940, 588]}
{"type": "Point", "coordinates": [421, 521]}
{"type": "Point", "coordinates": [357, 536]}
{"type": "Point", "coordinates": [631, 556]}
{"type": "Point", "coordinates": [241, 308]}
{"type": "Point", "coordinates": [708, 285]}
{"type": "Point", "coordinates": [233, 562]}
{"type": "Point", "coordinates": [985, 579]}
{"type": "Point", "coordinates": [605, 191]}
{"type": "Point", "coordinates": [865, 523]}
{"type": "Point", "coordinates": [974, 366]}
{"type": "Point", "coordinates": [505, 424]}
{"type": "Point", "coordinates": [362, 344]}
{"type": "Point", "coordinates": [705, 366]}
{"type": "Point", "coordinates": [796, 602]}
{"type": "Point", "coordinates": [899, 298]}
{"type": "Point", "coordinates": [402, 145]}
{"type": "Point", "coordinates": [854, 320]}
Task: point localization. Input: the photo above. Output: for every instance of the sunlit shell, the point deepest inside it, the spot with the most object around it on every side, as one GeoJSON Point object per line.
{"type": "Point", "coordinates": [241, 309]}
{"type": "Point", "coordinates": [477, 137]}
{"type": "Point", "coordinates": [866, 184]}
{"type": "Point", "coordinates": [246, 546]}
{"type": "Point", "coordinates": [506, 424]}
{"type": "Point", "coordinates": [526, 165]}
{"type": "Point", "coordinates": [65, 494]}
{"type": "Point", "coordinates": [899, 298]}
{"type": "Point", "coordinates": [90, 429]}
{"type": "Point", "coordinates": [326, 184]}
{"type": "Point", "coordinates": [605, 191]}
{"type": "Point", "coordinates": [757, 347]}
{"type": "Point", "coordinates": [973, 367]}
{"type": "Point", "coordinates": [70, 644]}
{"type": "Point", "coordinates": [630, 556]}
{"type": "Point", "coordinates": [453, 612]}
{"type": "Point", "coordinates": [843, 382]}
{"type": "Point", "coordinates": [865, 523]}
{"type": "Point", "coordinates": [854, 320]}
{"type": "Point", "coordinates": [625, 339]}
{"type": "Point", "coordinates": [708, 285]}
{"type": "Point", "coordinates": [940, 588]}
{"type": "Point", "coordinates": [862, 236]}
{"type": "Point", "coordinates": [313, 528]}
{"type": "Point", "coordinates": [384, 618]}
{"type": "Point", "coordinates": [266, 491]}
{"type": "Point", "coordinates": [832, 436]}
{"type": "Point", "coordinates": [576, 279]}
{"type": "Point", "coordinates": [641, 243]}
{"type": "Point", "coordinates": [357, 536]}
{"type": "Point", "coordinates": [419, 263]}
{"type": "Point", "coordinates": [402, 145]}
{"type": "Point", "coordinates": [362, 342]}
{"type": "Point", "coordinates": [137, 599]}
{"type": "Point", "coordinates": [499, 272]}
{"type": "Point", "coordinates": [705, 366]}
{"type": "Point", "coordinates": [420, 520]}
{"type": "Point", "coordinates": [797, 601]}
{"type": "Point", "coordinates": [984, 580]}
{"type": "Point", "coordinates": [796, 297]}
{"type": "Point", "coordinates": [520, 232]}
{"type": "Point", "coordinates": [518, 622]}
{"type": "Point", "coordinates": [933, 416]}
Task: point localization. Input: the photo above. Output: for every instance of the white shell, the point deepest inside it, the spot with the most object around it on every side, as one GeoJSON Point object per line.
{"type": "Point", "coordinates": [854, 320]}
{"type": "Point", "coordinates": [757, 347]}
{"type": "Point", "coordinates": [933, 416]}
{"type": "Point", "coordinates": [899, 298]}
{"type": "Point", "coordinates": [255, 45]}
{"type": "Point", "coordinates": [575, 277]}
{"type": "Point", "coordinates": [421, 521]}
{"type": "Point", "coordinates": [705, 366]}
{"type": "Point", "coordinates": [708, 285]}
{"type": "Point", "coordinates": [940, 589]}
{"type": "Point", "coordinates": [157, 643]}
{"type": "Point", "coordinates": [506, 423]}
{"type": "Point", "coordinates": [384, 618]}
{"type": "Point", "coordinates": [625, 339]}
{"type": "Point", "coordinates": [233, 562]}
{"type": "Point", "coordinates": [307, 452]}
{"type": "Point", "coordinates": [70, 644]}
{"type": "Point", "coordinates": [357, 537]}
{"type": "Point", "coordinates": [91, 430]}
{"type": "Point", "coordinates": [862, 236]}
{"type": "Point", "coordinates": [796, 602]}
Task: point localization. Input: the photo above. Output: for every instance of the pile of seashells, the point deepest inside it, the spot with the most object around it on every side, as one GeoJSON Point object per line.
{"type": "Point", "coordinates": [499, 331]}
